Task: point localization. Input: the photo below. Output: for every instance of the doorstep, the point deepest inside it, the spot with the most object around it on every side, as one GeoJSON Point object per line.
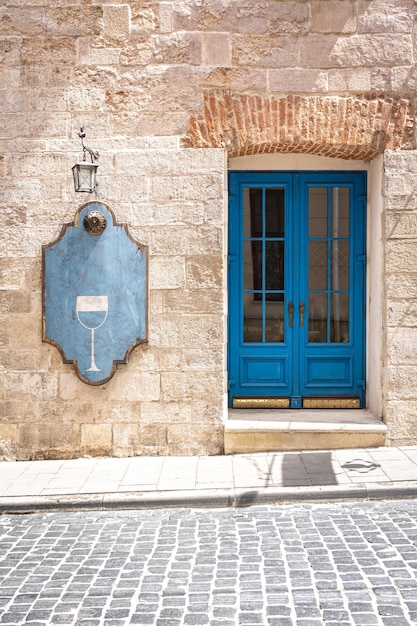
{"type": "Point", "coordinates": [271, 430]}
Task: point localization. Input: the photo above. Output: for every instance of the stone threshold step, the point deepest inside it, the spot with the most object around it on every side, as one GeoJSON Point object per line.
{"type": "Point", "coordinates": [247, 436]}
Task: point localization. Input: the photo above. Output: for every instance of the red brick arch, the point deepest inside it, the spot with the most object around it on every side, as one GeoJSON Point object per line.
{"type": "Point", "coordinates": [350, 127]}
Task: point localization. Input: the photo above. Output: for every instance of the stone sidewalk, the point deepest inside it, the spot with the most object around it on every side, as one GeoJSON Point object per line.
{"type": "Point", "coordinates": [139, 482]}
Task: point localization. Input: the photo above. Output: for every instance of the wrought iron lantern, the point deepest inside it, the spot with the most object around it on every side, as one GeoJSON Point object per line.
{"type": "Point", "coordinates": [85, 172]}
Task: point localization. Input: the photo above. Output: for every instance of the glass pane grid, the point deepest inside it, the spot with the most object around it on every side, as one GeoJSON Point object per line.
{"type": "Point", "coordinates": [263, 241]}
{"type": "Point", "coordinates": [328, 265]}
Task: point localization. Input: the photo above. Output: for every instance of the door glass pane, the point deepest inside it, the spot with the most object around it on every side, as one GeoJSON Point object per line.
{"type": "Point", "coordinates": [274, 265]}
{"type": "Point", "coordinates": [339, 321]}
{"type": "Point", "coordinates": [252, 265]}
{"type": "Point", "coordinates": [339, 200]}
{"type": "Point", "coordinates": [274, 212]}
{"type": "Point", "coordinates": [252, 318]}
{"type": "Point", "coordinates": [317, 265]}
{"type": "Point", "coordinates": [317, 212]}
{"type": "Point", "coordinates": [339, 264]}
{"type": "Point", "coordinates": [317, 317]}
{"type": "Point", "coordinates": [274, 322]}
{"type": "Point", "coordinates": [252, 212]}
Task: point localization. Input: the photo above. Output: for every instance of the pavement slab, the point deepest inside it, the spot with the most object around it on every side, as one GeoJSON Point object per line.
{"type": "Point", "coordinates": [231, 480]}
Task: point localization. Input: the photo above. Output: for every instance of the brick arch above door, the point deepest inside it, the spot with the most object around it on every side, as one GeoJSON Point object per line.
{"type": "Point", "coordinates": [347, 127]}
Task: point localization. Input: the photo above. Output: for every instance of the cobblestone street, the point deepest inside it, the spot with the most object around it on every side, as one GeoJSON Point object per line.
{"type": "Point", "coordinates": [286, 565]}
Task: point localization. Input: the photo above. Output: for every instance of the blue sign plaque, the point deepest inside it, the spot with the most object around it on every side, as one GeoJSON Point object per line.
{"type": "Point", "coordinates": [95, 293]}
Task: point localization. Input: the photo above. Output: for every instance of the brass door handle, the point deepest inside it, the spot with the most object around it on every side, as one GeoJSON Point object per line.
{"type": "Point", "coordinates": [302, 309]}
{"type": "Point", "coordinates": [291, 313]}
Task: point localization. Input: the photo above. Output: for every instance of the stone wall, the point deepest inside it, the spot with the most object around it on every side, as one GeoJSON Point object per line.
{"type": "Point", "coordinates": [140, 76]}
{"type": "Point", "coordinates": [400, 222]}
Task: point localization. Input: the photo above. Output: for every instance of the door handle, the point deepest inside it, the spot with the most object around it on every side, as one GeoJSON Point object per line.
{"type": "Point", "coordinates": [302, 309]}
{"type": "Point", "coordinates": [291, 313]}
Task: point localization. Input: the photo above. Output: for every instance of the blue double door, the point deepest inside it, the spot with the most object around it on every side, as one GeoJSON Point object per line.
{"type": "Point", "coordinates": [297, 288]}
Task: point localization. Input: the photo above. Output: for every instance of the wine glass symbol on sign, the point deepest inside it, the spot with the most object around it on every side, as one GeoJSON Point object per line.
{"type": "Point", "coordinates": [92, 312]}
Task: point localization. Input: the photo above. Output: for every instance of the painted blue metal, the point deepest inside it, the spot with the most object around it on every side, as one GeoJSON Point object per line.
{"type": "Point", "coordinates": [296, 367]}
{"type": "Point", "coordinates": [95, 295]}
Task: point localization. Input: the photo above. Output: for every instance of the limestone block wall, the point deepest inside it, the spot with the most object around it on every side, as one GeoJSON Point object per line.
{"type": "Point", "coordinates": [168, 398]}
{"type": "Point", "coordinates": [400, 231]}
{"type": "Point", "coordinates": [166, 90]}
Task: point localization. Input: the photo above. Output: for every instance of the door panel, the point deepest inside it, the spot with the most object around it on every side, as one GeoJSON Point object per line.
{"type": "Point", "coordinates": [296, 284]}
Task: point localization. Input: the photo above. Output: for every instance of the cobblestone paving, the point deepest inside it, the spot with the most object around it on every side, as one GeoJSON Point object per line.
{"type": "Point", "coordinates": [302, 565]}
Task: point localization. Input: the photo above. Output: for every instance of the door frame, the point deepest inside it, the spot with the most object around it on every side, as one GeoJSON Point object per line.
{"type": "Point", "coordinates": [319, 177]}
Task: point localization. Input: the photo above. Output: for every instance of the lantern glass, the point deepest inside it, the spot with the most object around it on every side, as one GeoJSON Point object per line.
{"type": "Point", "coordinates": [85, 175]}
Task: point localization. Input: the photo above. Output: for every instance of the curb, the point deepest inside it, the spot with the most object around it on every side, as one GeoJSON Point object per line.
{"type": "Point", "coordinates": [208, 498]}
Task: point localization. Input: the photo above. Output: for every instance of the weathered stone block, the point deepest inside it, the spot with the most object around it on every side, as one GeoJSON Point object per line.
{"type": "Point", "coordinates": [399, 185]}
{"type": "Point", "coordinates": [153, 435]}
{"type": "Point", "coordinates": [26, 242]}
{"type": "Point", "coordinates": [385, 16]}
{"type": "Point", "coordinates": [15, 302]}
{"type": "Point", "coordinates": [48, 51]}
{"type": "Point", "coordinates": [146, 16]}
{"type": "Point", "coordinates": [10, 274]}
{"type": "Point", "coordinates": [9, 50]}
{"type": "Point", "coordinates": [399, 160]}
{"type": "Point", "coordinates": [74, 20]}
{"type": "Point", "coordinates": [24, 332]}
{"type": "Point", "coordinates": [23, 360]}
{"type": "Point", "coordinates": [400, 256]}
{"type": "Point", "coordinates": [21, 20]}
{"type": "Point", "coordinates": [204, 272]}
{"type": "Point", "coordinates": [191, 386]}
{"type": "Point", "coordinates": [57, 411]}
{"type": "Point", "coordinates": [404, 79]}
{"type": "Point", "coordinates": [289, 17]}
{"type": "Point", "coordinates": [237, 78]}
{"type": "Point", "coordinates": [187, 331]}
{"type": "Point", "coordinates": [96, 438]}
{"type": "Point", "coordinates": [155, 303]}
{"type": "Point", "coordinates": [133, 440]}
{"type": "Point", "coordinates": [166, 18]}
{"type": "Point", "coordinates": [321, 51]}
{"type": "Point", "coordinates": [85, 99]}
{"type": "Point", "coordinates": [400, 313]}
{"type": "Point", "coordinates": [148, 162]}
{"type": "Point", "coordinates": [333, 17]}
{"type": "Point", "coordinates": [282, 51]}
{"type": "Point", "coordinates": [193, 162]}
{"type": "Point", "coordinates": [401, 412]}
{"type": "Point", "coordinates": [193, 440]}
{"type": "Point", "coordinates": [166, 272]}
{"type": "Point", "coordinates": [30, 385]}
{"type": "Point", "coordinates": [357, 80]}
{"type": "Point", "coordinates": [16, 410]}
{"type": "Point", "coordinates": [33, 165]}
{"type": "Point", "coordinates": [177, 48]}
{"type": "Point", "coordinates": [13, 101]}
{"type": "Point", "coordinates": [49, 441]}
{"type": "Point", "coordinates": [9, 438]}
{"type": "Point", "coordinates": [401, 422]}
{"type": "Point", "coordinates": [201, 412]}
{"type": "Point", "coordinates": [136, 52]}
{"type": "Point", "coordinates": [190, 301]}
{"type": "Point", "coordinates": [71, 388]}
{"type": "Point", "coordinates": [216, 49]}
{"type": "Point", "coordinates": [295, 80]}
{"type": "Point", "coordinates": [135, 386]}
{"type": "Point", "coordinates": [401, 346]}
{"type": "Point", "coordinates": [117, 21]}
{"type": "Point", "coordinates": [87, 54]}
{"type": "Point", "coordinates": [401, 286]}
{"type": "Point", "coordinates": [401, 382]}
{"type": "Point", "coordinates": [191, 240]}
